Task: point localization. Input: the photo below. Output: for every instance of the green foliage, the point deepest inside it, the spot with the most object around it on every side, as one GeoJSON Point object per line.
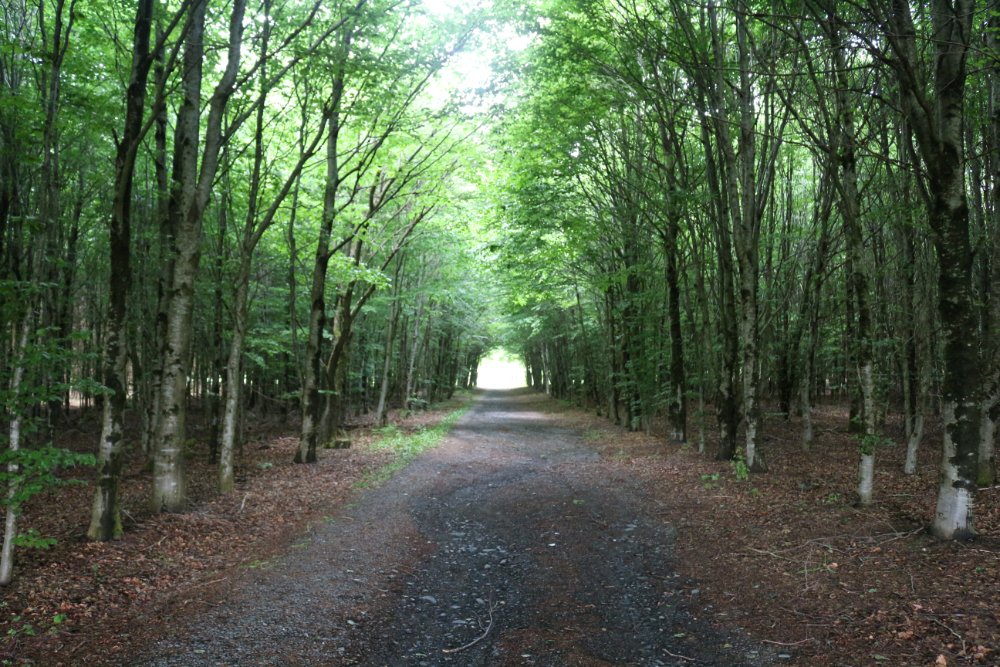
{"type": "Point", "coordinates": [20, 627]}
{"type": "Point", "coordinates": [869, 443]}
{"type": "Point", "coordinates": [832, 498]}
{"type": "Point", "coordinates": [32, 539]}
{"type": "Point", "coordinates": [709, 480]}
{"type": "Point", "coordinates": [31, 471]}
{"type": "Point", "coordinates": [408, 445]}
{"type": "Point", "coordinates": [739, 465]}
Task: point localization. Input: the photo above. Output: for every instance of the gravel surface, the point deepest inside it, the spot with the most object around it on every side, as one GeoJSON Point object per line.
{"type": "Point", "coordinates": [511, 543]}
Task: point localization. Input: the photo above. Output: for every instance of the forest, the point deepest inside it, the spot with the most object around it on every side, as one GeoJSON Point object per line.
{"type": "Point", "coordinates": [694, 218]}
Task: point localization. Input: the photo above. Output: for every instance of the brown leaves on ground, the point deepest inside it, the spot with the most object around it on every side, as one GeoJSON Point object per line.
{"type": "Point", "coordinates": [785, 555]}
{"type": "Point", "coordinates": [789, 557]}
{"type": "Point", "coordinates": [78, 602]}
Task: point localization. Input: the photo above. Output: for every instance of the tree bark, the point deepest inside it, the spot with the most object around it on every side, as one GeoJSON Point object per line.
{"type": "Point", "coordinates": [936, 119]}
{"type": "Point", "coordinates": [13, 446]}
{"type": "Point", "coordinates": [105, 519]}
{"type": "Point", "coordinates": [191, 191]}
{"type": "Point", "coordinates": [843, 150]}
{"type": "Point", "coordinates": [311, 403]}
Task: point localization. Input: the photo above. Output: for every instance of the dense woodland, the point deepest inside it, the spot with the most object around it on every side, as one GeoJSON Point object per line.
{"type": "Point", "coordinates": [679, 212]}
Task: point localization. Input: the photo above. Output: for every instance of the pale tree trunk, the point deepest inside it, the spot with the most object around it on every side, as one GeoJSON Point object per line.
{"type": "Point", "coordinates": [747, 226]}
{"type": "Point", "coordinates": [842, 150]}
{"type": "Point", "coordinates": [913, 439]}
{"type": "Point", "coordinates": [415, 350]}
{"type": "Point", "coordinates": [105, 518]}
{"type": "Point", "coordinates": [234, 383]}
{"type": "Point", "coordinates": [190, 198]}
{"type": "Point", "coordinates": [13, 446]}
{"type": "Point", "coordinates": [169, 493]}
{"type": "Point", "coordinates": [381, 412]}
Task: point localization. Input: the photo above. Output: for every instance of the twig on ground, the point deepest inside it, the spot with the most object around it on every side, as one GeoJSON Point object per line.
{"type": "Point", "coordinates": [899, 536]}
{"type": "Point", "coordinates": [798, 643]}
{"type": "Point", "coordinates": [960, 637]}
{"type": "Point", "coordinates": [243, 504]}
{"type": "Point", "coordinates": [208, 583]}
{"type": "Point", "coordinates": [771, 553]}
{"type": "Point", "coordinates": [477, 639]}
{"type": "Point", "coordinates": [678, 655]}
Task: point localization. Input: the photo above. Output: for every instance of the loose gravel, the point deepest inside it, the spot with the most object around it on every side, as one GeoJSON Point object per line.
{"type": "Point", "coordinates": [511, 543]}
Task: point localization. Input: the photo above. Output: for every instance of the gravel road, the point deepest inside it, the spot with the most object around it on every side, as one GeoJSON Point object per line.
{"type": "Point", "coordinates": [511, 543]}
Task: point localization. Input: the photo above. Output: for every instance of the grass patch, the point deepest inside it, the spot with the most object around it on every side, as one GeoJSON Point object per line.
{"type": "Point", "coordinates": [406, 446]}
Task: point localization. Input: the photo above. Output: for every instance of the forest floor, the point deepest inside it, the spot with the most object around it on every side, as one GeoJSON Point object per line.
{"type": "Point", "coordinates": [534, 534]}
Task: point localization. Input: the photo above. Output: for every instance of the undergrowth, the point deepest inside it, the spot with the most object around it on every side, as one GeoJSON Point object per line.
{"type": "Point", "coordinates": [406, 446]}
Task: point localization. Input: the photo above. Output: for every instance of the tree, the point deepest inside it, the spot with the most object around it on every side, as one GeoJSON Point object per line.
{"type": "Point", "coordinates": [933, 105]}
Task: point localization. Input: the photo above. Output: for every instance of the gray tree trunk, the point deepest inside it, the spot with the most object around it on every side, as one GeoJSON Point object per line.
{"type": "Point", "coordinates": [13, 446]}
{"type": "Point", "coordinates": [191, 192]}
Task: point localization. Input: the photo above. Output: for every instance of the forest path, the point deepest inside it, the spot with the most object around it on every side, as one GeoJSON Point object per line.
{"type": "Point", "coordinates": [511, 543]}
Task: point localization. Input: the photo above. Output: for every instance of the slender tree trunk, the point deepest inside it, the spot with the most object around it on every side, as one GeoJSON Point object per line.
{"type": "Point", "coordinates": [13, 446]}
{"type": "Point", "coordinates": [677, 400]}
{"type": "Point", "coordinates": [383, 394]}
{"type": "Point", "coordinates": [218, 339]}
{"type": "Point", "coordinates": [189, 200]}
{"type": "Point", "coordinates": [234, 382]}
{"type": "Point", "coordinates": [311, 378]}
{"type": "Point", "coordinates": [847, 185]}
{"type": "Point", "coordinates": [105, 519]}
{"type": "Point", "coordinates": [727, 399]}
{"type": "Point", "coordinates": [151, 406]}
{"type": "Point", "coordinates": [169, 488]}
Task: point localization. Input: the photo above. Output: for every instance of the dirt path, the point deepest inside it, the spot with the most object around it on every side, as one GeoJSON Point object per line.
{"type": "Point", "coordinates": [511, 543]}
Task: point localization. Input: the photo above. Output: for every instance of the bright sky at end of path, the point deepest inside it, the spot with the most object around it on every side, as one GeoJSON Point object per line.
{"type": "Point", "coordinates": [500, 370]}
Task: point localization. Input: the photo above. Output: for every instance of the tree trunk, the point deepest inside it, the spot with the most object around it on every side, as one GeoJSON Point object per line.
{"type": "Point", "coordinates": [13, 446]}
{"type": "Point", "coordinates": [937, 124]}
{"type": "Point", "coordinates": [380, 410]}
{"type": "Point", "coordinates": [191, 192]}
{"type": "Point", "coordinates": [843, 150]}
{"type": "Point", "coordinates": [105, 519]}
{"type": "Point", "coordinates": [234, 383]}
{"type": "Point", "coordinates": [677, 398]}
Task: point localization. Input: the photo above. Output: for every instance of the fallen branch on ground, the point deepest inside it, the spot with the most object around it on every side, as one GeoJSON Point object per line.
{"type": "Point", "coordinates": [477, 639]}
